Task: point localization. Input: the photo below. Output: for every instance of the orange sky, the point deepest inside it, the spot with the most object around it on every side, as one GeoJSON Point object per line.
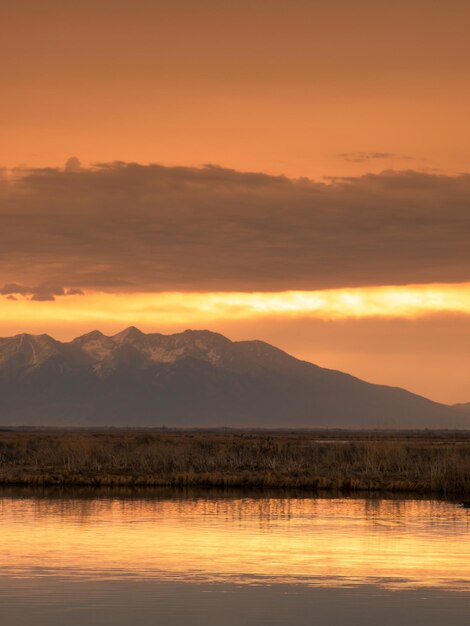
{"type": "Point", "coordinates": [304, 89]}
{"type": "Point", "coordinates": [254, 86]}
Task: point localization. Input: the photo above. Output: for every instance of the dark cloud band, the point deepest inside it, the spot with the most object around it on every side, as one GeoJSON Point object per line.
{"type": "Point", "coordinates": [128, 227]}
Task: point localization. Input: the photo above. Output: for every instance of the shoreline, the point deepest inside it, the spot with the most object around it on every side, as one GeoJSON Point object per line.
{"type": "Point", "coordinates": [260, 483]}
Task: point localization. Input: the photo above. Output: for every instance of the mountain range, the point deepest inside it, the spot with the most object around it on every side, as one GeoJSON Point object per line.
{"type": "Point", "coordinates": [194, 378]}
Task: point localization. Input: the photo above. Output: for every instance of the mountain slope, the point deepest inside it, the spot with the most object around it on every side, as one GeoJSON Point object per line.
{"type": "Point", "coordinates": [462, 408]}
{"type": "Point", "coordinates": [194, 378]}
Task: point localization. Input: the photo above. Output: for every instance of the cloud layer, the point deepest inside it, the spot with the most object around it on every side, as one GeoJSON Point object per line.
{"type": "Point", "coordinates": [129, 227]}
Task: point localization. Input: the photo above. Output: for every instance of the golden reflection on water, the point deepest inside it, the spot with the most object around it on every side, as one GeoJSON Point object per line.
{"type": "Point", "coordinates": [328, 542]}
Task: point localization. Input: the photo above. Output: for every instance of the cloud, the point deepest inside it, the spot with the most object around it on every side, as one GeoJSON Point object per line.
{"type": "Point", "coordinates": [130, 227]}
{"type": "Point", "coordinates": [43, 297]}
{"type": "Point", "coordinates": [41, 293]}
{"type": "Point", "coordinates": [363, 157]}
{"type": "Point", "coordinates": [15, 288]}
{"type": "Point", "coordinates": [74, 292]}
{"type": "Point", "coordinates": [73, 165]}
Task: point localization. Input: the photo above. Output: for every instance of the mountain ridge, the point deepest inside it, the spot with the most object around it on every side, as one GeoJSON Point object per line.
{"type": "Point", "coordinates": [193, 378]}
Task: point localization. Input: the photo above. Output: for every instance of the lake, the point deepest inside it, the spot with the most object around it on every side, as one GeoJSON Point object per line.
{"type": "Point", "coordinates": [211, 558]}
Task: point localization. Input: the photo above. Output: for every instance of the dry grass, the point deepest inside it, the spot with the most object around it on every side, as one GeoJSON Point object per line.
{"type": "Point", "coordinates": [392, 462]}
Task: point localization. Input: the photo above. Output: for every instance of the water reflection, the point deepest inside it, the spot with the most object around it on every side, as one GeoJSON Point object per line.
{"type": "Point", "coordinates": [206, 539]}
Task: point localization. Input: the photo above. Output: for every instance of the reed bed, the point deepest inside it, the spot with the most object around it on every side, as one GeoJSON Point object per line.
{"type": "Point", "coordinates": [352, 462]}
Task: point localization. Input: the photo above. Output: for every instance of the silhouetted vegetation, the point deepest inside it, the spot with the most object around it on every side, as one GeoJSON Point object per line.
{"type": "Point", "coordinates": [437, 463]}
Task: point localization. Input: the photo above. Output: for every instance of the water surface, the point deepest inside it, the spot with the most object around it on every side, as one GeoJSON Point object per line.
{"type": "Point", "coordinates": [231, 559]}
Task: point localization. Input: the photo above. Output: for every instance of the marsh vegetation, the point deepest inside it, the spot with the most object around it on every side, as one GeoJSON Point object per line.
{"type": "Point", "coordinates": [400, 462]}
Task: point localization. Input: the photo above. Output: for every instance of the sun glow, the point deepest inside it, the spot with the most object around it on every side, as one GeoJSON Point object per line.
{"type": "Point", "coordinates": [204, 308]}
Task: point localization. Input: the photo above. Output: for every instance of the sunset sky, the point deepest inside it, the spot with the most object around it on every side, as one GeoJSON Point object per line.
{"type": "Point", "coordinates": [294, 172]}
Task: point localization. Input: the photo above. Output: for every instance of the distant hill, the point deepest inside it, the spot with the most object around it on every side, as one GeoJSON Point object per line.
{"type": "Point", "coordinates": [462, 408]}
{"type": "Point", "coordinates": [194, 378]}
